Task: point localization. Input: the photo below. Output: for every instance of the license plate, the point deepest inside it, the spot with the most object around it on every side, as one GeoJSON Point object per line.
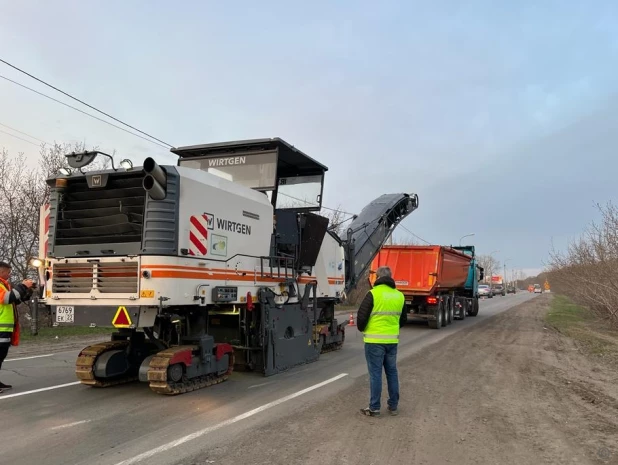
{"type": "Point", "coordinates": [65, 314]}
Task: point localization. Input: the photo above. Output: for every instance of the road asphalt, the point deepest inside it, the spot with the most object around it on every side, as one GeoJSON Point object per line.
{"type": "Point", "coordinates": [53, 420]}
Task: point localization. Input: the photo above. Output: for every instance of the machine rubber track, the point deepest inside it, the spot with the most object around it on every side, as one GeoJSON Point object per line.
{"type": "Point", "coordinates": [157, 374]}
{"type": "Point", "coordinates": [332, 347]}
{"type": "Point", "coordinates": [84, 366]}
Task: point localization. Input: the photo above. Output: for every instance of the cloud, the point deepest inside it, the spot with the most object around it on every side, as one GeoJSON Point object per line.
{"type": "Point", "coordinates": [460, 103]}
{"type": "Point", "coordinates": [530, 272]}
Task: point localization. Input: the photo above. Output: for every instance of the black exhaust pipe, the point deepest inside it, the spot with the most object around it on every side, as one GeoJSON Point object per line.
{"type": "Point", "coordinates": [155, 180]}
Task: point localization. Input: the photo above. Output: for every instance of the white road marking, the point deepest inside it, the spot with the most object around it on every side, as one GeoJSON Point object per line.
{"type": "Point", "coordinates": [210, 429]}
{"type": "Point", "coordinates": [68, 425]}
{"type": "Point", "coordinates": [260, 385]}
{"type": "Point", "coordinates": [294, 373]}
{"type": "Point", "coordinates": [2, 396]}
{"type": "Point", "coordinates": [28, 358]}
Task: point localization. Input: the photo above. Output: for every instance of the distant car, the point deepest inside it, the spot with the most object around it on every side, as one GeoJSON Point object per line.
{"type": "Point", "coordinates": [511, 290]}
{"type": "Point", "coordinates": [499, 290]}
{"type": "Point", "coordinates": [538, 289]}
{"type": "Point", "coordinates": [485, 291]}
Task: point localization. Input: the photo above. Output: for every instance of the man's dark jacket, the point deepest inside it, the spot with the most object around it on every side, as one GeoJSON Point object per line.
{"type": "Point", "coordinates": [366, 306]}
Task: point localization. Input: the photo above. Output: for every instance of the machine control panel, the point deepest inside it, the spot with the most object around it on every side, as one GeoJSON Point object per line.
{"type": "Point", "coordinates": [224, 294]}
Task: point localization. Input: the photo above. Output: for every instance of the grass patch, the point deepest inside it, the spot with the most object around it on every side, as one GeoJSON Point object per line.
{"type": "Point", "coordinates": [62, 332]}
{"type": "Point", "coordinates": [581, 325]}
{"type": "Point", "coordinates": [564, 314]}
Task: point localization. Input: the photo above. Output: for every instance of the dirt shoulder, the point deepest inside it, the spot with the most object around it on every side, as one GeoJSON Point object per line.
{"type": "Point", "coordinates": [510, 390]}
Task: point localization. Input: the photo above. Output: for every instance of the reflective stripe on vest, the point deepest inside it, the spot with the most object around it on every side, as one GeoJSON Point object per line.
{"type": "Point", "coordinates": [380, 336]}
{"type": "Point", "coordinates": [383, 325]}
{"type": "Point", "coordinates": [7, 317]}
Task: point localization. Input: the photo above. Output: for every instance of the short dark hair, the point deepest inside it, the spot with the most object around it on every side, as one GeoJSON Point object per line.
{"type": "Point", "coordinates": [384, 272]}
{"type": "Point", "coordinates": [5, 265]}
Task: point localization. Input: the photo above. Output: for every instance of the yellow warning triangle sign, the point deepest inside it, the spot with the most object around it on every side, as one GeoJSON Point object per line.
{"type": "Point", "coordinates": [122, 318]}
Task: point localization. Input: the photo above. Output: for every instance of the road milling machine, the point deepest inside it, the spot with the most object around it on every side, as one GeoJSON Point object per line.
{"type": "Point", "coordinates": [219, 262]}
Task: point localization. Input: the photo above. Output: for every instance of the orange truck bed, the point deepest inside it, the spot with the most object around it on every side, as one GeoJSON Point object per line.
{"type": "Point", "coordinates": [423, 270]}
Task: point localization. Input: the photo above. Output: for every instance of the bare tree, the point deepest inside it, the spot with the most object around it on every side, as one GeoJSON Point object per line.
{"type": "Point", "coordinates": [15, 213]}
{"type": "Point", "coordinates": [518, 277]}
{"type": "Point", "coordinates": [336, 220]}
{"type": "Point", "coordinates": [490, 264]}
{"type": "Point", "coordinates": [409, 240]}
{"type": "Point", "coordinates": [587, 271]}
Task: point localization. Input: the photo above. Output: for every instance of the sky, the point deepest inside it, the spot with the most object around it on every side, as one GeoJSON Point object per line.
{"type": "Point", "coordinates": [501, 116]}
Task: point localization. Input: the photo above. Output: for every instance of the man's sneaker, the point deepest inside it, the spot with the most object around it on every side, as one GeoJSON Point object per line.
{"type": "Point", "coordinates": [393, 412]}
{"type": "Point", "coordinates": [370, 413]}
{"type": "Point", "coordinates": [5, 386]}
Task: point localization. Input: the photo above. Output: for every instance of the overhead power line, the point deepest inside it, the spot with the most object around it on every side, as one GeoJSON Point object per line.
{"type": "Point", "coordinates": [24, 133]}
{"type": "Point", "coordinates": [313, 205]}
{"type": "Point", "coordinates": [351, 215]}
{"type": "Point", "coordinates": [82, 111]}
{"type": "Point", "coordinates": [82, 102]}
{"type": "Point", "coordinates": [410, 232]}
{"type": "Point", "coordinates": [17, 137]}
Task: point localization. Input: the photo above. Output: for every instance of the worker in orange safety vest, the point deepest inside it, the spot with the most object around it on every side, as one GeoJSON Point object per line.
{"type": "Point", "coordinates": [9, 323]}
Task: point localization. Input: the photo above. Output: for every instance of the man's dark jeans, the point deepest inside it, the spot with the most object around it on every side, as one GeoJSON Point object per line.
{"type": "Point", "coordinates": [378, 356]}
{"type": "Point", "coordinates": [4, 350]}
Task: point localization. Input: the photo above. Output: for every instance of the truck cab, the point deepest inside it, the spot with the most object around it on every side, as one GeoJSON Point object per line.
{"type": "Point", "coordinates": [476, 272]}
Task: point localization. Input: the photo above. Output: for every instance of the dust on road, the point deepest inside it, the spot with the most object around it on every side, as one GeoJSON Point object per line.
{"type": "Point", "coordinates": [509, 390]}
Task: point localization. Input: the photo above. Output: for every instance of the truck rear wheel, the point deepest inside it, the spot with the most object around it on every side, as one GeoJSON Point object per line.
{"type": "Point", "coordinates": [465, 306]}
{"type": "Point", "coordinates": [438, 312]}
{"type": "Point", "coordinates": [475, 307]}
{"type": "Point", "coordinates": [448, 311]}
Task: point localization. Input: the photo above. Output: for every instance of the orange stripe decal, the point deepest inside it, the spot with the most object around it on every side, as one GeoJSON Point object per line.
{"type": "Point", "coordinates": [225, 277]}
{"type": "Point", "coordinates": [200, 272]}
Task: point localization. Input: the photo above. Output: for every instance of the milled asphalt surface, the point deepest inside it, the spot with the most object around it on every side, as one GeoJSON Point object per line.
{"type": "Point", "coordinates": [77, 424]}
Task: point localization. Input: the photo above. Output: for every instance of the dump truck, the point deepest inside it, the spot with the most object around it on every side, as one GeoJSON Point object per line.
{"type": "Point", "coordinates": [220, 262]}
{"type": "Point", "coordinates": [440, 283]}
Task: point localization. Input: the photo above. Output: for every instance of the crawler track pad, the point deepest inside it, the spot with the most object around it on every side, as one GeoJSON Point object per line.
{"type": "Point", "coordinates": [159, 372]}
{"type": "Point", "coordinates": [86, 360]}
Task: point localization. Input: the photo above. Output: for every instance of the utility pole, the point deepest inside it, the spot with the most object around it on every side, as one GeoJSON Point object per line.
{"type": "Point", "coordinates": [491, 268]}
{"type": "Point", "coordinates": [504, 265]}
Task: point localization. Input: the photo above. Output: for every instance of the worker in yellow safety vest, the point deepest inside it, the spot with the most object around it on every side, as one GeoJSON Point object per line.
{"type": "Point", "coordinates": [380, 316]}
{"type": "Point", "coordinates": [9, 298]}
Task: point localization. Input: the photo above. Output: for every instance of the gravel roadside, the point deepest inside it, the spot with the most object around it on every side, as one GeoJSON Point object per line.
{"type": "Point", "coordinates": [509, 390]}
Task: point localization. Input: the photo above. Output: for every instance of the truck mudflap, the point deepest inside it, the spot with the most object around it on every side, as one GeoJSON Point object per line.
{"type": "Point", "coordinates": [371, 229]}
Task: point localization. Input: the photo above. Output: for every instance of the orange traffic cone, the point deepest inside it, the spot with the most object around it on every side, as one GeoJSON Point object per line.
{"type": "Point", "coordinates": [351, 323]}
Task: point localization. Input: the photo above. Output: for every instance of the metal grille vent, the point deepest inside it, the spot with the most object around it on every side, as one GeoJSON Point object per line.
{"type": "Point", "coordinates": [112, 214]}
{"type": "Point", "coordinates": [105, 277]}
